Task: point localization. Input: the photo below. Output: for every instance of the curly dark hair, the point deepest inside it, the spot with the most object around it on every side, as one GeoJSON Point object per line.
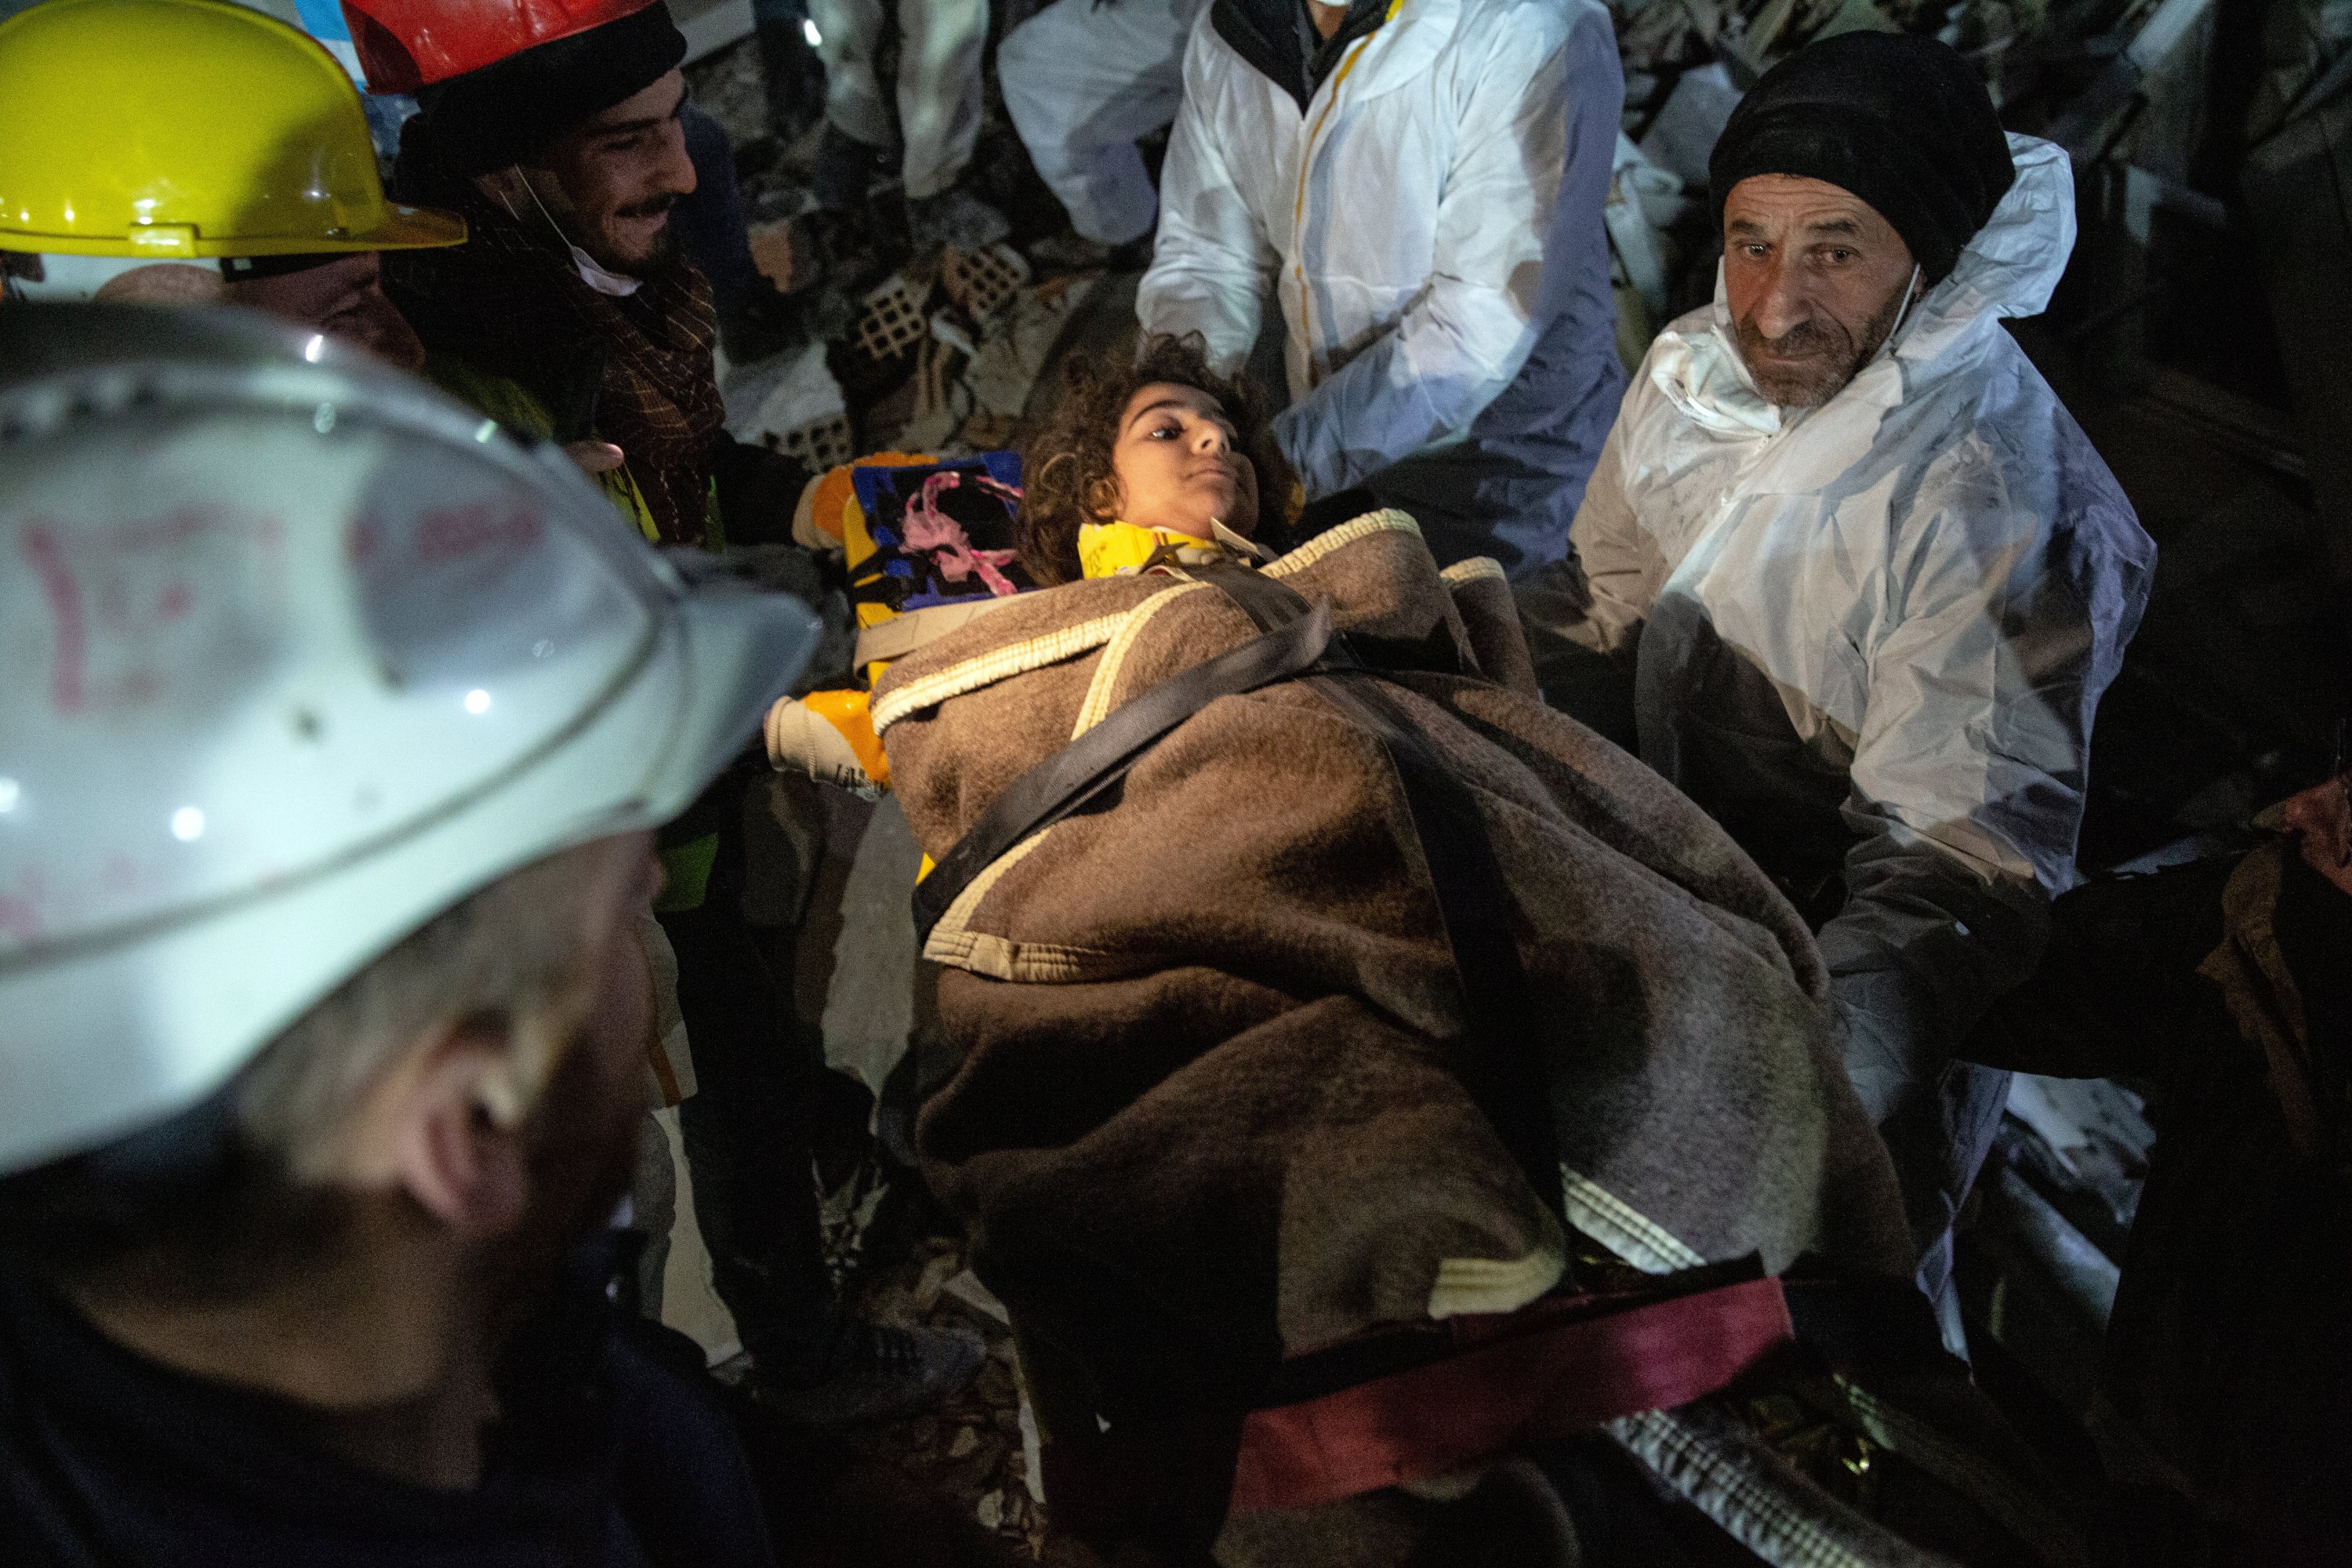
{"type": "Point", "coordinates": [1067, 476]}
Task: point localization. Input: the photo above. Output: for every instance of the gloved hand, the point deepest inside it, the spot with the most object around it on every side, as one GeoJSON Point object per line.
{"type": "Point", "coordinates": [827, 736]}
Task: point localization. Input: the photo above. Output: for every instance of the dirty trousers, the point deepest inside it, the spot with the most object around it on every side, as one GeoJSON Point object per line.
{"type": "Point", "coordinates": [1083, 79]}
{"type": "Point", "coordinates": [938, 91]}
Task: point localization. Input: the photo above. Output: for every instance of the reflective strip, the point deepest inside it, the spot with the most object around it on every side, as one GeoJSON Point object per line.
{"type": "Point", "coordinates": [1622, 1228]}
{"type": "Point", "coordinates": [1493, 1285]}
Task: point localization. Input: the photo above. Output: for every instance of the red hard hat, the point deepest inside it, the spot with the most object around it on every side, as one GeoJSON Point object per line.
{"type": "Point", "coordinates": [408, 44]}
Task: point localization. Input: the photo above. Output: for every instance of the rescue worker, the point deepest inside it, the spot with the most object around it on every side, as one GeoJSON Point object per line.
{"type": "Point", "coordinates": [1083, 79]}
{"type": "Point", "coordinates": [1868, 577]}
{"type": "Point", "coordinates": [258, 188]}
{"type": "Point", "coordinates": [322, 1028]}
{"type": "Point", "coordinates": [929, 141]}
{"type": "Point", "coordinates": [1422, 182]}
{"type": "Point", "coordinates": [572, 314]}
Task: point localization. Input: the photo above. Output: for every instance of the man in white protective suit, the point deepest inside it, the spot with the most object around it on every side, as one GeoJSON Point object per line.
{"type": "Point", "coordinates": [1422, 182]}
{"type": "Point", "coordinates": [1866, 574]}
{"type": "Point", "coordinates": [1084, 80]}
{"type": "Point", "coordinates": [929, 138]}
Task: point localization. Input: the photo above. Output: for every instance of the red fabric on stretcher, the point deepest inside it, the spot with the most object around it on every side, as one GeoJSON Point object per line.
{"type": "Point", "coordinates": [1534, 1374]}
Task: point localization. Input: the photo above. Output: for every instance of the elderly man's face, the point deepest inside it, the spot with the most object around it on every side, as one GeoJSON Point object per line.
{"type": "Point", "coordinates": [616, 177]}
{"type": "Point", "coordinates": [1815, 280]}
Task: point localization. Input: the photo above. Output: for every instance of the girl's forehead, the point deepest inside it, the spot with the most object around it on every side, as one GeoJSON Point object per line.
{"type": "Point", "coordinates": [1159, 394]}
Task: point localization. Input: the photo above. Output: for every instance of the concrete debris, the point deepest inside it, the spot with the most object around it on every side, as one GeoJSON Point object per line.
{"type": "Point", "coordinates": [847, 1214]}
{"type": "Point", "coordinates": [1687, 125]}
{"type": "Point", "coordinates": [966, 1289]}
{"type": "Point", "coordinates": [801, 411]}
{"type": "Point", "coordinates": [1645, 204]}
{"type": "Point", "coordinates": [941, 402]}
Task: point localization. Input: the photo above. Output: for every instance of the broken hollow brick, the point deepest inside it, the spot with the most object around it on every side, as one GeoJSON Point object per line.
{"type": "Point", "coordinates": [893, 321]}
{"type": "Point", "coordinates": [820, 445]}
{"type": "Point", "coordinates": [982, 281]}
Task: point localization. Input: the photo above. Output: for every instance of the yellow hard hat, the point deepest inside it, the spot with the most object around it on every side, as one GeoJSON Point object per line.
{"type": "Point", "coordinates": [173, 128]}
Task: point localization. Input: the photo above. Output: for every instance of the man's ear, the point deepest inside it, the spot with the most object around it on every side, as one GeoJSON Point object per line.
{"type": "Point", "coordinates": [457, 1140]}
{"type": "Point", "coordinates": [506, 186]}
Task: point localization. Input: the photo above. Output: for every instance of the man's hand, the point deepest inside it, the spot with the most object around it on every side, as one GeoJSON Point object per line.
{"type": "Point", "coordinates": [2321, 820]}
{"type": "Point", "coordinates": [594, 457]}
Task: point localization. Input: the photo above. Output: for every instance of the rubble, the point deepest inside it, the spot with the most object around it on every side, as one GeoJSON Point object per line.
{"type": "Point", "coordinates": [798, 408]}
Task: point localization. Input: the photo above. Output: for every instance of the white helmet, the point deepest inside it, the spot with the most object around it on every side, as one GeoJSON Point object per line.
{"type": "Point", "coordinates": [298, 654]}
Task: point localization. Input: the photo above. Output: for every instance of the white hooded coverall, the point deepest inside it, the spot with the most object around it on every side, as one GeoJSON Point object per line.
{"type": "Point", "coordinates": [1871, 637]}
{"type": "Point", "coordinates": [1084, 80]}
{"type": "Point", "coordinates": [937, 92]}
{"type": "Point", "coordinates": [1405, 214]}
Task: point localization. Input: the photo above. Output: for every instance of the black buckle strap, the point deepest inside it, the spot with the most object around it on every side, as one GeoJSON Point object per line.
{"type": "Point", "coordinates": [1065, 782]}
{"type": "Point", "coordinates": [1497, 1062]}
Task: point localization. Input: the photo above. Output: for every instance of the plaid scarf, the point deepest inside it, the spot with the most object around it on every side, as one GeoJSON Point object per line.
{"type": "Point", "coordinates": [509, 302]}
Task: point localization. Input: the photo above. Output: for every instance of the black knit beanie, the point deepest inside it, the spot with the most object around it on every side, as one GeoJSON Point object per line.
{"type": "Point", "coordinates": [1900, 120]}
{"type": "Point", "coordinates": [506, 112]}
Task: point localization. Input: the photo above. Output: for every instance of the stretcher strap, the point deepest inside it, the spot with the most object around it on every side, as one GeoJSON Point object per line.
{"type": "Point", "coordinates": [1493, 1054]}
{"type": "Point", "coordinates": [1563, 1374]}
{"type": "Point", "coordinates": [1066, 782]}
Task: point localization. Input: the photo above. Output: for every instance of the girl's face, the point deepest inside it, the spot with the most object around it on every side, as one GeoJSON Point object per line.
{"type": "Point", "coordinates": [1177, 465]}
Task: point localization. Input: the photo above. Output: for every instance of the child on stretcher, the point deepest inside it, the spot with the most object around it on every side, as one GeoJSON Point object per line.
{"type": "Point", "coordinates": [1161, 460]}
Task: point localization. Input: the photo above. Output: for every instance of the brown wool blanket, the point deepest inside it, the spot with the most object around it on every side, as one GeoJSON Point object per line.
{"type": "Point", "coordinates": [1211, 1107]}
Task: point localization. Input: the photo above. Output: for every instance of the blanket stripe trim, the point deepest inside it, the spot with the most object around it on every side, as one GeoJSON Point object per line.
{"type": "Point", "coordinates": [1622, 1228]}
{"type": "Point", "coordinates": [953, 941]}
{"type": "Point", "coordinates": [1477, 569]}
{"type": "Point", "coordinates": [1388, 519]}
{"type": "Point", "coordinates": [1098, 705]}
{"type": "Point", "coordinates": [995, 665]}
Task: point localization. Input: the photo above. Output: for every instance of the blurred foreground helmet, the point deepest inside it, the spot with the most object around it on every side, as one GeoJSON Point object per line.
{"type": "Point", "coordinates": [404, 44]}
{"type": "Point", "coordinates": [160, 130]}
{"type": "Point", "coordinates": [299, 654]}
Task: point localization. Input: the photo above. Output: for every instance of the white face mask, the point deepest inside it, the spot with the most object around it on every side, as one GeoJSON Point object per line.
{"type": "Point", "coordinates": [598, 277]}
{"type": "Point", "coordinates": [620, 286]}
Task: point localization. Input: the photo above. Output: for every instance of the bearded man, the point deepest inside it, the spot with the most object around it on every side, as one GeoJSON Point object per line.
{"type": "Point", "coordinates": [1868, 577]}
{"type": "Point", "coordinates": [575, 316]}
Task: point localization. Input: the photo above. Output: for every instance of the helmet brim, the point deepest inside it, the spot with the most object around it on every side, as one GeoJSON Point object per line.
{"type": "Point", "coordinates": [402, 228]}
